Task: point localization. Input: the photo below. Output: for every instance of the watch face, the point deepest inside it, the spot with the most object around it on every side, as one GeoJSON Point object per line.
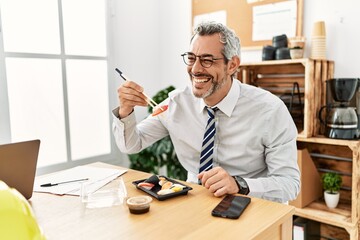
{"type": "Point", "coordinates": [243, 185]}
{"type": "Point", "coordinates": [241, 182]}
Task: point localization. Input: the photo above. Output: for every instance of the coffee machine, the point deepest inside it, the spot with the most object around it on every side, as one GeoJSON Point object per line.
{"type": "Point", "coordinates": [342, 119]}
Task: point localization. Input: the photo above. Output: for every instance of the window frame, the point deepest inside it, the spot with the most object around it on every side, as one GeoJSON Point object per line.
{"type": "Point", "coordinates": [5, 127]}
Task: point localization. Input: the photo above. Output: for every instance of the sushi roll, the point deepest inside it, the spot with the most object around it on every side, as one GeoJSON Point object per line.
{"type": "Point", "coordinates": [154, 179]}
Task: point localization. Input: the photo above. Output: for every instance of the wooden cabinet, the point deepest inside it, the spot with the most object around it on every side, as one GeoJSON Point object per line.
{"type": "Point", "coordinates": [304, 79]}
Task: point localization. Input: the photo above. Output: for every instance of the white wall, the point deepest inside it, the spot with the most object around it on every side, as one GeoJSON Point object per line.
{"type": "Point", "coordinates": [148, 41]}
{"type": "Point", "coordinates": [342, 20]}
{"type": "Point", "coordinates": [175, 22]}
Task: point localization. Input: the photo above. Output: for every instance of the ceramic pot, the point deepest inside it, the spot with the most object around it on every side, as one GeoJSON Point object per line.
{"type": "Point", "coordinates": [296, 53]}
{"type": "Point", "coordinates": [331, 199]}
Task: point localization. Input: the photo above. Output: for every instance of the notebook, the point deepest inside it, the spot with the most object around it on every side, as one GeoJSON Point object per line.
{"type": "Point", "coordinates": [18, 165]}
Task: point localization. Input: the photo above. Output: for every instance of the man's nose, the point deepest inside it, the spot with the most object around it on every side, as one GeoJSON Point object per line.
{"type": "Point", "coordinates": [197, 65]}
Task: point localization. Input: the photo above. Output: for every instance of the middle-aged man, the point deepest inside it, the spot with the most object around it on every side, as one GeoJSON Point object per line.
{"type": "Point", "coordinates": [229, 136]}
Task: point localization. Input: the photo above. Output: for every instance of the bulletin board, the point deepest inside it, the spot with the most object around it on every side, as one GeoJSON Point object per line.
{"type": "Point", "coordinates": [239, 17]}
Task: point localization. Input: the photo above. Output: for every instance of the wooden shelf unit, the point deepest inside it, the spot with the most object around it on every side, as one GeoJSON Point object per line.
{"type": "Point", "coordinates": [347, 214]}
{"type": "Point", "coordinates": [328, 154]}
{"type": "Point", "coordinates": [279, 77]}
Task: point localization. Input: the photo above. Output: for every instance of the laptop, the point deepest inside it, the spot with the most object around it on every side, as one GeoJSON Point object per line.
{"type": "Point", "coordinates": [18, 165]}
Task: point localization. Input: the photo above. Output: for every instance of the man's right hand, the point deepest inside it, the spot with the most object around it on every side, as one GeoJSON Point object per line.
{"type": "Point", "coordinates": [130, 95]}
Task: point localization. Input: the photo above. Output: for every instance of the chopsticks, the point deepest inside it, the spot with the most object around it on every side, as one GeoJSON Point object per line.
{"type": "Point", "coordinates": [149, 100]}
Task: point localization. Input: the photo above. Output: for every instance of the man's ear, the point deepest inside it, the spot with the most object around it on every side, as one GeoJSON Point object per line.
{"type": "Point", "coordinates": [233, 65]}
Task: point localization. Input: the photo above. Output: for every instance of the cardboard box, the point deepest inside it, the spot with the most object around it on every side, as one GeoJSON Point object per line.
{"type": "Point", "coordinates": [311, 188]}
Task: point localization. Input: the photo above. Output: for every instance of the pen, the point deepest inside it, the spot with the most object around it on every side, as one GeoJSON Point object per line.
{"type": "Point", "coordinates": [55, 184]}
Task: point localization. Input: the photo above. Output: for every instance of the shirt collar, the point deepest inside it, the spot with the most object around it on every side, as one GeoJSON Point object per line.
{"type": "Point", "coordinates": [202, 105]}
{"type": "Point", "coordinates": [226, 105]}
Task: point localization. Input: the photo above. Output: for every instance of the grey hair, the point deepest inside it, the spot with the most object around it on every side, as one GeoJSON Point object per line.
{"type": "Point", "coordinates": [227, 37]}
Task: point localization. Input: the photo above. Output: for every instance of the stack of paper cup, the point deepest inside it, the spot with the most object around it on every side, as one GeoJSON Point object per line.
{"type": "Point", "coordinates": [318, 41]}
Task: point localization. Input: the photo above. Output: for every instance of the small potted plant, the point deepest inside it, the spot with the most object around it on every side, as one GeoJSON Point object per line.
{"type": "Point", "coordinates": [331, 184]}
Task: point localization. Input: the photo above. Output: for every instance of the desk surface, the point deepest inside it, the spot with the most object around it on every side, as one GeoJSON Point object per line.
{"type": "Point", "coordinates": [182, 217]}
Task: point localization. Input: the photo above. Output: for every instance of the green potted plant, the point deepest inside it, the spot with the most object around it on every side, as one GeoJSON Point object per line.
{"type": "Point", "coordinates": [161, 153]}
{"type": "Point", "coordinates": [331, 185]}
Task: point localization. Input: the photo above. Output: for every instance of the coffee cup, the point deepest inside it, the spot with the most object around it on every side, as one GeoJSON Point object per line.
{"type": "Point", "coordinates": [319, 29]}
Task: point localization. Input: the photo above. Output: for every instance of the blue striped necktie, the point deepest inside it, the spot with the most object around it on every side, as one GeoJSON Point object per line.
{"type": "Point", "coordinates": [207, 150]}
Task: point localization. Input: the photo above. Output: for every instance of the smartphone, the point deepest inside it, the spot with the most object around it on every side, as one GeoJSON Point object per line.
{"type": "Point", "coordinates": [231, 206]}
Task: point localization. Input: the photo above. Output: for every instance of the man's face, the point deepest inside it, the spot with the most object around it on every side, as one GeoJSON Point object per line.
{"type": "Point", "coordinates": [212, 83]}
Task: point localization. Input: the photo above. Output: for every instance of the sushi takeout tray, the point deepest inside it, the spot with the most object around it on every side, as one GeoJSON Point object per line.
{"type": "Point", "coordinates": [157, 187]}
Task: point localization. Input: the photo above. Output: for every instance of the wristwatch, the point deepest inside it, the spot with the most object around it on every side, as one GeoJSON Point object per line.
{"type": "Point", "coordinates": [242, 184]}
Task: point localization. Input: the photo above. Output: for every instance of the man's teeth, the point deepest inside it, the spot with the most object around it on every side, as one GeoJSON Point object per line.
{"type": "Point", "coordinates": [201, 80]}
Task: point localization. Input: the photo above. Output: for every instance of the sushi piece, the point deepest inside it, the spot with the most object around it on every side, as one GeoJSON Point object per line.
{"type": "Point", "coordinates": [166, 185]}
{"type": "Point", "coordinates": [146, 185]}
{"type": "Point", "coordinates": [177, 187]}
{"type": "Point", "coordinates": [162, 181]}
{"type": "Point", "coordinates": [165, 191]}
{"type": "Point", "coordinates": [159, 110]}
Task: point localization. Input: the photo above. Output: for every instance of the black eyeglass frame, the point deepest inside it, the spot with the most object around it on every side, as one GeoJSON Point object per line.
{"type": "Point", "coordinates": [202, 60]}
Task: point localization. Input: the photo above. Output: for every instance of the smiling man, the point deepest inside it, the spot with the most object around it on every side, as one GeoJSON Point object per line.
{"type": "Point", "coordinates": [230, 137]}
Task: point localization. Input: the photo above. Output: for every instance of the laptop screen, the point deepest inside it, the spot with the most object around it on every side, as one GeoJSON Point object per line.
{"type": "Point", "coordinates": [18, 165]}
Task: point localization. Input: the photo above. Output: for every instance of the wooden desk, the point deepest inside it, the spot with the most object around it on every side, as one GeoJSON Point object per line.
{"type": "Point", "coordinates": [183, 217]}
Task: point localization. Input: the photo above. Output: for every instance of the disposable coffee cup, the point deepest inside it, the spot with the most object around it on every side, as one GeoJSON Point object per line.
{"type": "Point", "coordinates": [319, 29]}
{"type": "Point", "coordinates": [318, 47]}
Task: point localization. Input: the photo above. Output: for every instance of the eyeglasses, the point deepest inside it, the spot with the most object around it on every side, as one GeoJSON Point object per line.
{"type": "Point", "coordinates": [206, 60]}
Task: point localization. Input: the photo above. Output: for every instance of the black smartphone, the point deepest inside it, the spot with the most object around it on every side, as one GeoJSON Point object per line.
{"type": "Point", "coordinates": [231, 206]}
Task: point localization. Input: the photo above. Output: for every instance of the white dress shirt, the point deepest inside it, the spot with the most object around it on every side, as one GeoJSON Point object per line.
{"type": "Point", "coordinates": [255, 137]}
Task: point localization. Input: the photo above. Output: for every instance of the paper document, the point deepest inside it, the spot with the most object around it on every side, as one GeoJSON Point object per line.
{"type": "Point", "coordinates": [67, 179]}
{"type": "Point", "coordinates": [274, 19]}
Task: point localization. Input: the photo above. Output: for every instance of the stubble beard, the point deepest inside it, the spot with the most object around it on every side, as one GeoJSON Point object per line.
{"type": "Point", "coordinates": [215, 86]}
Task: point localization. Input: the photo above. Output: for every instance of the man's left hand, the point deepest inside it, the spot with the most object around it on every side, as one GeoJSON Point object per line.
{"type": "Point", "coordinates": [218, 181]}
